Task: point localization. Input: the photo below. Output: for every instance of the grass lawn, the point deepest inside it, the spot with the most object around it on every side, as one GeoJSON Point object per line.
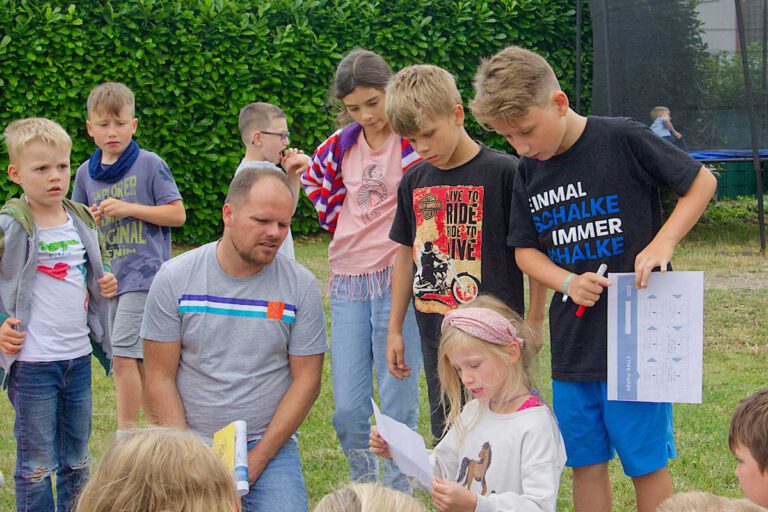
{"type": "Point", "coordinates": [735, 362]}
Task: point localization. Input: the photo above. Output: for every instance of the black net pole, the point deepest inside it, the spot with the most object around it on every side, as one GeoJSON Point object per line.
{"type": "Point", "coordinates": [764, 83]}
{"type": "Point", "coordinates": [578, 55]}
{"type": "Point", "coordinates": [752, 121]}
{"type": "Point", "coordinates": [607, 53]}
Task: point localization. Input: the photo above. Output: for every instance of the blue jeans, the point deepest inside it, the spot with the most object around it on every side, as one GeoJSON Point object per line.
{"type": "Point", "coordinates": [281, 485]}
{"type": "Point", "coordinates": [358, 347]}
{"type": "Point", "coordinates": [53, 423]}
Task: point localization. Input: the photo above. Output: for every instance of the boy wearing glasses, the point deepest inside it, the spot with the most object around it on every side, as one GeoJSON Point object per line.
{"type": "Point", "coordinates": [264, 131]}
{"type": "Point", "coordinates": [134, 198]}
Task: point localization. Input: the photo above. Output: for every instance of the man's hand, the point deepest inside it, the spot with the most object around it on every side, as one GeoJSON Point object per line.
{"type": "Point", "coordinates": [11, 340]}
{"type": "Point", "coordinates": [255, 467]}
{"type": "Point", "coordinates": [107, 285]}
{"type": "Point", "coordinates": [450, 496]}
{"type": "Point", "coordinates": [377, 444]}
{"type": "Point", "coordinates": [116, 208]}
{"type": "Point", "coordinates": [658, 253]}
{"type": "Point", "coordinates": [396, 356]}
{"type": "Point", "coordinates": [585, 289]}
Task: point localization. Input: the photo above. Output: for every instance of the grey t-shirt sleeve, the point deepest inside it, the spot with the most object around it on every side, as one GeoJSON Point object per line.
{"type": "Point", "coordinates": [78, 189]}
{"type": "Point", "coordinates": [161, 321]}
{"type": "Point", "coordinates": [164, 188]}
{"type": "Point", "coordinates": [308, 336]}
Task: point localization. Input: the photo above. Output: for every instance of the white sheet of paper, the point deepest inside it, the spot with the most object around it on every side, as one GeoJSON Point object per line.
{"type": "Point", "coordinates": [406, 446]}
{"type": "Point", "coordinates": [655, 338]}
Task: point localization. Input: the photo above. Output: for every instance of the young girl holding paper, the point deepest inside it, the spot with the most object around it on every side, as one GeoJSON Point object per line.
{"type": "Point", "coordinates": [503, 451]}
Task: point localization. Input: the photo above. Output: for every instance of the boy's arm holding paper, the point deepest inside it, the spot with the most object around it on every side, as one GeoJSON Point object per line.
{"type": "Point", "coordinates": [689, 208]}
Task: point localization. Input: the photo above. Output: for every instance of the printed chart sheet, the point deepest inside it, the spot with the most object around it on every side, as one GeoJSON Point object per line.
{"type": "Point", "coordinates": [655, 337]}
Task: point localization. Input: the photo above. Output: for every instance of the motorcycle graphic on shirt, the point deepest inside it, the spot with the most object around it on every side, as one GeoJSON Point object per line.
{"type": "Point", "coordinates": [447, 246]}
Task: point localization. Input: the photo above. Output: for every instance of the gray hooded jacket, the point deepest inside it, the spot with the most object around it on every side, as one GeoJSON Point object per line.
{"type": "Point", "coordinates": [18, 264]}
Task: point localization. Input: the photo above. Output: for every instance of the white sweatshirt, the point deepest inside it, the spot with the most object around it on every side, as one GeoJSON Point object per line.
{"type": "Point", "coordinates": [526, 458]}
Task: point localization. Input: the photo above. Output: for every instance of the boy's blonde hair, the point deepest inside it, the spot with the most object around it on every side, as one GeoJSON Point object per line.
{"type": "Point", "coordinates": [110, 98]}
{"type": "Point", "coordinates": [19, 134]}
{"type": "Point", "coordinates": [706, 502]}
{"type": "Point", "coordinates": [749, 427]}
{"type": "Point", "coordinates": [368, 497]}
{"type": "Point", "coordinates": [509, 84]}
{"type": "Point", "coordinates": [659, 111]}
{"type": "Point", "coordinates": [159, 470]}
{"type": "Point", "coordinates": [518, 373]}
{"type": "Point", "coordinates": [417, 95]}
{"type": "Point", "coordinates": [257, 116]}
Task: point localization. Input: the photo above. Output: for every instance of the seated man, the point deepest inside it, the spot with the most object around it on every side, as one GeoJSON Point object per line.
{"type": "Point", "coordinates": [233, 330]}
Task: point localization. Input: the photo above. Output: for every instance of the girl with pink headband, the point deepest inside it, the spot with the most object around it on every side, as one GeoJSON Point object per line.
{"type": "Point", "coordinates": [503, 450]}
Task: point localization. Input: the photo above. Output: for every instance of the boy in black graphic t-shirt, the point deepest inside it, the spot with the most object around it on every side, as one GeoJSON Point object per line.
{"type": "Point", "coordinates": [586, 193]}
{"type": "Point", "coordinates": [453, 209]}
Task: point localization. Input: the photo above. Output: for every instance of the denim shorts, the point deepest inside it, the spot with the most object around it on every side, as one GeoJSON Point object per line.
{"type": "Point", "coordinates": [595, 428]}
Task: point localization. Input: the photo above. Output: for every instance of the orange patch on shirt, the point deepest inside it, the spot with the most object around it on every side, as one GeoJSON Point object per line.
{"type": "Point", "coordinates": [275, 310]}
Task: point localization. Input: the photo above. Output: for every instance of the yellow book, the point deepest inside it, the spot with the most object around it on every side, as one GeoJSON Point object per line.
{"type": "Point", "coordinates": [231, 445]}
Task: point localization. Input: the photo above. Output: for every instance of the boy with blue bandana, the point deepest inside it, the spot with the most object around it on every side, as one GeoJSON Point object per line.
{"type": "Point", "coordinates": [134, 197]}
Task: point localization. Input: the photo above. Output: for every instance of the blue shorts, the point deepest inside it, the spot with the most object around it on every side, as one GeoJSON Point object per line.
{"type": "Point", "coordinates": [594, 428]}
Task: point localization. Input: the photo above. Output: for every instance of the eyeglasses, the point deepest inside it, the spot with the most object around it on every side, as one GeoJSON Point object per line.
{"type": "Point", "coordinates": [282, 135]}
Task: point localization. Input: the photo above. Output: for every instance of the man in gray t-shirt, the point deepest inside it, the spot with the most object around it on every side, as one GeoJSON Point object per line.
{"type": "Point", "coordinates": [235, 331]}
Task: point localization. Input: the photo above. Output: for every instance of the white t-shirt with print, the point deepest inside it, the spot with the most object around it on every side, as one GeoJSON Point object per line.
{"type": "Point", "coordinates": [58, 325]}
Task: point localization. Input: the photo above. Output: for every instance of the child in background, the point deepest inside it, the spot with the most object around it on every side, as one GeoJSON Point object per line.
{"type": "Point", "coordinates": [54, 278]}
{"type": "Point", "coordinates": [503, 451]}
{"type": "Point", "coordinates": [160, 470]}
{"type": "Point", "coordinates": [368, 497]}
{"type": "Point", "coordinates": [662, 126]}
{"type": "Point", "coordinates": [134, 198]}
{"type": "Point", "coordinates": [748, 440]}
{"type": "Point", "coordinates": [264, 131]}
{"type": "Point", "coordinates": [453, 214]}
{"type": "Point", "coordinates": [586, 193]}
{"type": "Point", "coordinates": [357, 204]}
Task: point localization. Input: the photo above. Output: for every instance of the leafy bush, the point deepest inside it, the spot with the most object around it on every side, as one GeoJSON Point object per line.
{"type": "Point", "coordinates": [742, 210]}
{"type": "Point", "coordinates": [193, 64]}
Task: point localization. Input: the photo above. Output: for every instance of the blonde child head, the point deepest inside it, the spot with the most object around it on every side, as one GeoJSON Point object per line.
{"type": "Point", "coordinates": [488, 326]}
{"type": "Point", "coordinates": [368, 497]}
{"type": "Point", "coordinates": [159, 470]}
{"type": "Point", "coordinates": [110, 98]}
{"type": "Point", "coordinates": [660, 111]}
{"type": "Point", "coordinates": [706, 502]}
{"type": "Point", "coordinates": [510, 83]}
{"type": "Point", "coordinates": [20, 134]}
{"type": "Point", "coordinates": [257, 116]}
{"type": "Point", "coordinates": [418, 95]}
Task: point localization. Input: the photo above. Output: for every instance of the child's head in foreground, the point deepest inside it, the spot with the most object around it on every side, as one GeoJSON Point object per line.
{"type": "Point", "coordinates": [111, 119]}
{"type": "Point", "coordinates": [706, 502]}
{"type": "Point", "coordinates": [38, 150]}
{"type": "Point", "coordinates": [748, 440]}
{"type": "Point", "coordinates": [424, 105]}
{"type": "Point", "coordinates": [659, 111]}
{"type": "Point", "coordinates": [159, 470]}
{"type": "Point", "coordinates": [264, 127]}
{"type": "Point", "coordinates": [368, 497]}
{"type": "Point", "coordinates": [517, 95]}
{"type": "Point", "coordinates": [484, 347]}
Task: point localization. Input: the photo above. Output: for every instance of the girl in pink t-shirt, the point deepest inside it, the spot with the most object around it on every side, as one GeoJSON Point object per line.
{"type": "Point", "coordinates": [352, 180]}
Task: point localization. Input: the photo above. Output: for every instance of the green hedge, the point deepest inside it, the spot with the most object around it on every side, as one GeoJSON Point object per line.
{"type": "Point", "coordinates": [193, 64]}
